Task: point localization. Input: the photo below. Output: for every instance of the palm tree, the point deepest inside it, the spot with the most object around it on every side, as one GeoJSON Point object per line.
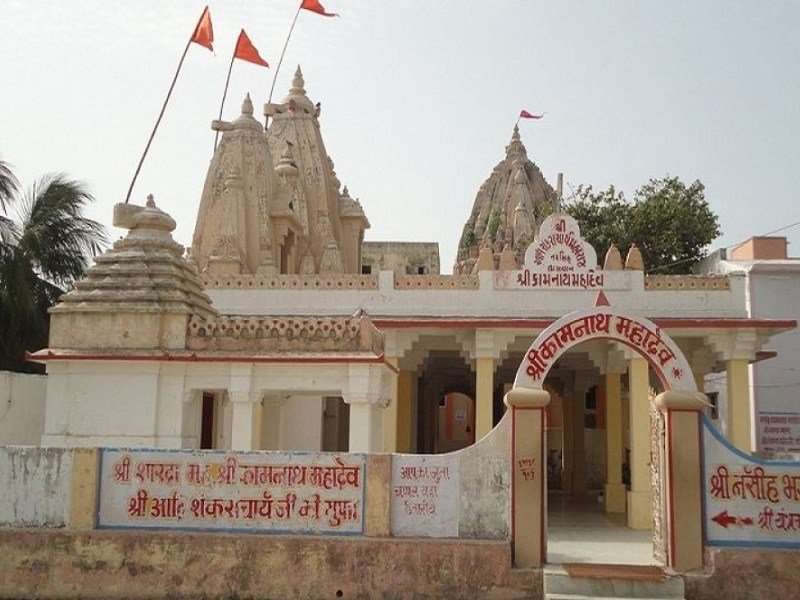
{"type": "Point", "coordinates": [42, 253]}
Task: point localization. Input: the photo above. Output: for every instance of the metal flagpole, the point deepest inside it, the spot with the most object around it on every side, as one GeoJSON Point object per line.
{"type": "Point", "coordinates": [225, 93]}
{"type": "Point", "coordinates": [280, 61]}
{"type": "Point", "coordinates": [163, 107]}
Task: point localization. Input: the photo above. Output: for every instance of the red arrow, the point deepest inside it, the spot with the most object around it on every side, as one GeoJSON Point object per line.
{"type": "Point", "coordinates": [724, 519]}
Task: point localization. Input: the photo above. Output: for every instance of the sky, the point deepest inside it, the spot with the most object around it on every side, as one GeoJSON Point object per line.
{"type": "Point", "coordinates": [419, 98]}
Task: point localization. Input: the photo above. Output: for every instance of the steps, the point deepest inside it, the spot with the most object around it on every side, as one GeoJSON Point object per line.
{"type": "Point", "coordinates": [610, 582]}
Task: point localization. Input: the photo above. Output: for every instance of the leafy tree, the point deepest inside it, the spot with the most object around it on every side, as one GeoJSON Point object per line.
{"type": "Point", "coordinates": [41, 254]}
{"type": "Point", "coordinates": [670, 222]}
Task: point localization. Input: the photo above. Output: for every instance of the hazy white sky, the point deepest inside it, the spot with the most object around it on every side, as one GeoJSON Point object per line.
{"type": "Point", "coordinates": [419, 98]}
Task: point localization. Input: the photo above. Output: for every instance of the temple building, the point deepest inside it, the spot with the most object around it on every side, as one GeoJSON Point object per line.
{"type": "Point", "coordinates": [282, 329]}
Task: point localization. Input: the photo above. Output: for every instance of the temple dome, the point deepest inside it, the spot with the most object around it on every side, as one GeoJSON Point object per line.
{"type": "Point", "coordinates": [508, 208]}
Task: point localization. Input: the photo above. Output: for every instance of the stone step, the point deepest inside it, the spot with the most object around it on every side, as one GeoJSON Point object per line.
{"type": "Point", "coordinates": [611, 581]}
{"type": "Point", "coordinates": [582, 597]}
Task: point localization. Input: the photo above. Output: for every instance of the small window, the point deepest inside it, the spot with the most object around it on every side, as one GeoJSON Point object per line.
{"type": "Point", "coordinates": [420, 270]}
{"type": "Point", "coordinates": [366, 269]}
{"type": "Point", "coordinates": [713, 410]}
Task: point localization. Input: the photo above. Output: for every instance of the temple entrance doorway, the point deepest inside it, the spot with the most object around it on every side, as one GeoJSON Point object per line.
{"type": "Point", "coordinates": [651, 360]}
{"type": "Point", "coordinates": [590, 453]}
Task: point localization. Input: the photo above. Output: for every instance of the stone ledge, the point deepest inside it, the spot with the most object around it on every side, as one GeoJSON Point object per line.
{"type": "Point", "coordinates": [292, 282]}
{"type": "Point", "coordinates": [123, 564]}
{"type": "Point", "coordinates": [439, 282]}
{"type": "Point", "coordinates": [686, 282]}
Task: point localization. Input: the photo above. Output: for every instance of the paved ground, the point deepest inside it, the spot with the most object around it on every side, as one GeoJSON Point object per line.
{"type": "Point", "coordinates": [580, 532]}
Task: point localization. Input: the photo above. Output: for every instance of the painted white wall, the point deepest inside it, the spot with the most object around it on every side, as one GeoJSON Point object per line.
{"type": "Point", "coordinates": [772, 291]}
{"type": "Point", "coordinates": [22, 407]}
{"type": "Point", "coordinates": [625, 290]}
{"type": "Point", "coordinates": [34, 486]}
{"type": "Point", "coordinates": [301, 423]}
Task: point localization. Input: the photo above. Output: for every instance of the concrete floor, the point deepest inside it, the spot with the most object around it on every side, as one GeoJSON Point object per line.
{"type": "Point", "coordinates": [579, 531]}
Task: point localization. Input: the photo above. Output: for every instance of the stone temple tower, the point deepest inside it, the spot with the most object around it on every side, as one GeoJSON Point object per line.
{"type": "Point", "coordinates": [272, 203]}
{"type": "Point", "coordinates": [507, 211]}
{"type": "Point", "coordinates": [334, 223]}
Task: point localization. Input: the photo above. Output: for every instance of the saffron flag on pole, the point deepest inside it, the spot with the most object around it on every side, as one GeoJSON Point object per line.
{"type": "Point", "coordinates": [204, 32]}
{"type": "Point", "coordinates": [315, 6]}
{"type": "Point", "coordinates": [524, 114]}
{"type": "Point", "coordinates": [246, 51]}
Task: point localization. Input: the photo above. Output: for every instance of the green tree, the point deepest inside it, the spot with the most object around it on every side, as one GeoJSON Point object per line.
{"type": "Point", "coordinates": [670, 222]}
{"type": "Point", "coordinates": [42, 253]}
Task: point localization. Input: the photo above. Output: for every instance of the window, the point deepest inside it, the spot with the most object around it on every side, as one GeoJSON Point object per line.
{"type": "Point", "coordinates": [713, 410]}
{"type": "Point", "coordinates": [420, 270]}
{"type": "Point", "coordinates": [366, 269]}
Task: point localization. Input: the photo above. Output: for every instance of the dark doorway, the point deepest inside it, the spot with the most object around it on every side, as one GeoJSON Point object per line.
{"type": "Point", "coordinates": [207, 423]}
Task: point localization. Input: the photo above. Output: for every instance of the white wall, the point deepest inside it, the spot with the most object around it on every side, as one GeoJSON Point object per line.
{"type": "Point", "coordinates": [35, 486]}
{"type": "Point", "coordinates": [301, 423]}
{"type": "Point", "coordinates": [22, 404]}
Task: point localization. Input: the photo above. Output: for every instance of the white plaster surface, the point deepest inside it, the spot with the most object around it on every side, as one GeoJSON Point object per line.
{"type": "Point", "coordinates": [483, 302]}
{"type": "Point", "coordinates": [34, 486]}
{"type": "Point", "coordinates": [425, 499]}
{"type": "Point", "coordinates": [22, 404]}
{"type": "Point", "coordinates": [473, 502]}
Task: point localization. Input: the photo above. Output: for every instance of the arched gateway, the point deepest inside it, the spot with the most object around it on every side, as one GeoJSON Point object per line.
{"type": "Point", "coordinates": [680, 402]}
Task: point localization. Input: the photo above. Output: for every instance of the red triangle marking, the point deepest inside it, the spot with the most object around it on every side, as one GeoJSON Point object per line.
{"type": "Point", "coordinates": [601, 299]}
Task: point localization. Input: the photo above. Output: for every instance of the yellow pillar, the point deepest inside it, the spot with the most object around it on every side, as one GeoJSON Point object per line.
{"type": "Point", "coordinates": [567, 442]}
{"type": "Point", "coordinates": [484, 400]}
{"type": "Point", "coordinates": [84, 488]}
{"type": "Point", "coordinates": [683, 473]}
{"type": "Point", "coordinates": [614, 496]}
{"type": "Point", "coordinates": [579, 438]}
{"type": "Point", "coordinates": [738, 409]}
{"type": "Point", "coordinates": [405, 386]}
{"type": "Point", "coordinates": [390, 413]}
{"type": "Point", "coordinates": [528, 477]}
{"type": "Point", "coordinates": [640, 510]}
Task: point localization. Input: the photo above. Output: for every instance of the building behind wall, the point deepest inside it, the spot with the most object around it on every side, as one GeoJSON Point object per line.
{"type": "Point", "coordinates": [404, 258]}
{"type": "Point", "coordinates": [772, 289]}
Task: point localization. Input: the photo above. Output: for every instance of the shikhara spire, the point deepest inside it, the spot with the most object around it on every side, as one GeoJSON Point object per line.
{"type": "Point", "coordinates": [508, 209]}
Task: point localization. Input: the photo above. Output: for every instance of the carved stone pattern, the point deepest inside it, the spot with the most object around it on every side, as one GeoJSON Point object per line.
{"type": "Point", "coordinates": [686, 282]}
{"type": "Point", "coordinates": [657, 482]}
{"type": "Point", "coordinates": [439, 282]}
{"type": "Point", "coordinates": [293, 282]}
{"type": "Point", "coordinates": [285, 334]}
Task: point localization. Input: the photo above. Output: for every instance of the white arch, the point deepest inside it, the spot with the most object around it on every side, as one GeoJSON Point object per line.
{"type": "Point", "coordinates": [603, 322]}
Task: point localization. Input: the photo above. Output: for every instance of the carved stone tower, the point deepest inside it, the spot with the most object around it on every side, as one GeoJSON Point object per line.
{"type": "Point", "coordinates": [507, 211]}
{"type": "Point", "coordinates": [334, 224]}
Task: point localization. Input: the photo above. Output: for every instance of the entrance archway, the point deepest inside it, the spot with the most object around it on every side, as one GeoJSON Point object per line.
{"type": "Point", "coordinates": [528, 401]}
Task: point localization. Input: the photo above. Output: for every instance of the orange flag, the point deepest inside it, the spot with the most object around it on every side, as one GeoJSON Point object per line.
{"type": "Point", "coordinates": [246, 51]}
{"type": "Point", "coordinates": [315, 6]}
{"type": "Point", "coordinates": [204, 32]}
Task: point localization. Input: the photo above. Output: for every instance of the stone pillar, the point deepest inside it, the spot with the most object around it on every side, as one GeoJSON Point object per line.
{"type": "Point", "coordinates": [683, 479]}
{"type": "Point", "coordinates": [365, 426]}
{"type": "Point", "coordinates": [528, 479]}
{"type": "Point", "coordinates": [369, 391]}
{"type": "Point", "coordinates": [568, 439]}
{"type": "Point", "coordinates": [738, 404]}
{"type": "Point", "coordinates": [484, 396]}
{"type": "Point", "coordinates": [614, 491]}
{"type": "Point", "coordinates": [391, 410]}
{"type": "Point", "coordinates": [579, 434]}
{"type": "Point", "coordinates": [640, 510]}
{"type": "Point", "coordinates": [405, 400]}
{"type": "Point", "coordinates": [245, 421]}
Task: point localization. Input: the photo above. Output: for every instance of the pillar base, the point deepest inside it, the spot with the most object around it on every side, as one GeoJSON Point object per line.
{"type": "Point", "coordinates": [614, 497]}
{"type": "Point", "coordinates": [640, 510]}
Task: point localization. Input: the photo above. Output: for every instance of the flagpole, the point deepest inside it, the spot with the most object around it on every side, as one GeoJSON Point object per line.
{"type": "Point", "coordinates": [225, 93]}
{"type": "Point", "coordinates": [280, 61]}
{"type": "Point", "coordinates": [163, 107]}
